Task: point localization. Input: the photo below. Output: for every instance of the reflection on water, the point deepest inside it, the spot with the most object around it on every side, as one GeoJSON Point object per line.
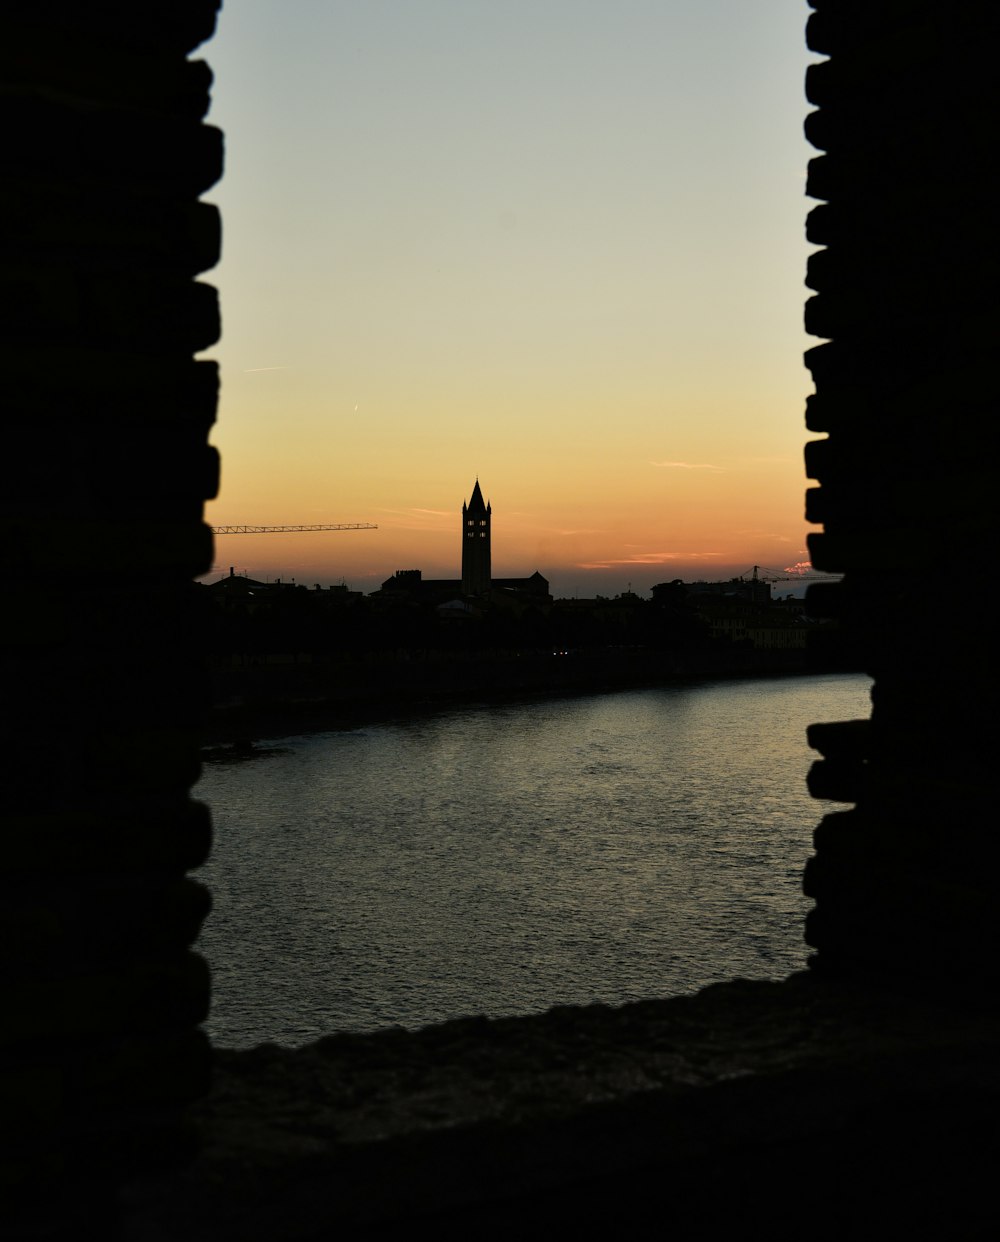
{"type": "Point", "coordinates": [502, 859]}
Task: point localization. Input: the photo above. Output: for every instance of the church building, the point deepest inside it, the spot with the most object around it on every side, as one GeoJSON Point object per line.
{"type": "Point", "coordinates": [477, 582]}
{"type": "Point", "coordinates": [476, 575]}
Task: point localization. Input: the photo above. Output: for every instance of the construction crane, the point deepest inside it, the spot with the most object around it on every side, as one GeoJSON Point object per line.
{"type": "Point", "coordinates": [269, 530]}
{"type": "Point", "coordinates": [763, 574]}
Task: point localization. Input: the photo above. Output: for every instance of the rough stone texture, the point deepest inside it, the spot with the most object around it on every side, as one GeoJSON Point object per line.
{"type": "Point", "coordinates": [107, 416]}
{"type": "Point", "coordinates": [723, 1109]}
{"type": "Point", "coordinates": [823, 1106]}
{"type": "Point", "coordinates": [903, 883]}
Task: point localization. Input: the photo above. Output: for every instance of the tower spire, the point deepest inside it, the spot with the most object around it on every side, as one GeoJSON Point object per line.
{"type": "Point", "coordinates": [476, 558]}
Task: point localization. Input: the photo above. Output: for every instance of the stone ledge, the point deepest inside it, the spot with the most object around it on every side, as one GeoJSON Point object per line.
{"type": "Point", "coordinates": [747, 1101]}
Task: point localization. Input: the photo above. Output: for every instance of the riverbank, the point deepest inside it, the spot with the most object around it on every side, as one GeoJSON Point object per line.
{"type": "Point", "coordinates": [808, 1105]}
{"type": "Point", "coordinates": [271, 700]}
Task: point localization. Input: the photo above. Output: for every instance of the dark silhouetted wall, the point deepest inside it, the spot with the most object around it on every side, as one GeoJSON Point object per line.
{"type": "Point", "coordinates": [107, 418]}
{"type": "Point", "coordinates": [904, 882]}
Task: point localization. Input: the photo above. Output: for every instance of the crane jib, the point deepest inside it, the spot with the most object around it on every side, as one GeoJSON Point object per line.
{"type": "Point", "coordinates": [267, 530]}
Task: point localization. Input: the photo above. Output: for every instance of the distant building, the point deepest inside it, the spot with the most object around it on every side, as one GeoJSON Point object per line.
{"type": "Point", "coordinates": [477, 581]}
{"type": "Point", "coordinates": [477, 576]}
{"type": "Point", "coordinates": [237, 591]}
{"type": "Point", "coordinates": [410, 586]}
{"type": "Point", "coordinates": [743, 613]}
{"type": "Point", "coordinates": [532, 590]}
{"type": "Point", "coordinates": [756, 590]}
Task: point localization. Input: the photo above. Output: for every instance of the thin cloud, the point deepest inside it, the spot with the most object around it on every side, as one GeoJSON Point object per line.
{"type": "Point", "coordinates": [686, 465]}
{"type": "Point", "coordinates": [251, 370]}
{"type": "Point", "coordinates": [416, 519]}
{"type": "Point", "coordinates": [414, 509]}
{"type": "Point", "coordinates": [649, 558]}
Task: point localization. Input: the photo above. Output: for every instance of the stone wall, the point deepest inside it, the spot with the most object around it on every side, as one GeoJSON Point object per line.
{"type": "Point", "coordinates": [815, 1104]}
{"type": "Point", "coordinates": [904, 118]}
{"type": "Point", "coordinates": [107, 416]}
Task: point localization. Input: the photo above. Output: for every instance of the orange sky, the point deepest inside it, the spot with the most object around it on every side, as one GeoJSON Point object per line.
{"type": "Point", "coordinates": [559, 247]}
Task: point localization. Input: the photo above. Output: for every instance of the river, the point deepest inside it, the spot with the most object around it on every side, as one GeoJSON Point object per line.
{"type": "Point", "coordinates": [503, 859]}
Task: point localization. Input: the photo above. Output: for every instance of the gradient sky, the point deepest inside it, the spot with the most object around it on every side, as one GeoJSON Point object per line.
{"type": "Point", "coordinates": [558, 245]}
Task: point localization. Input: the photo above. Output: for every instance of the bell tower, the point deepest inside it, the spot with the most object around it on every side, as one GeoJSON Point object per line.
{"type": "Point", "coordinates": [476, 575]}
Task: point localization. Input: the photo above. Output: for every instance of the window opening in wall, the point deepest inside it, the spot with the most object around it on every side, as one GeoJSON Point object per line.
{"type": "Point", "coordinates": [578, 258]}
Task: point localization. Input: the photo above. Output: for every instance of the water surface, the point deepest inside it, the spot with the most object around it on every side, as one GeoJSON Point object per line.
{"type": "Point", "coordinates": [503, 859]}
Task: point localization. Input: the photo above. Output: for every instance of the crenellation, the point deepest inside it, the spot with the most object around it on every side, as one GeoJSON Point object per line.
{"type": "Point", "coordinates": [106, 156]}
{"type": "Point", "coordinates": [901, 390]}
{"type": "Point", "coordinates": [869, 1082]}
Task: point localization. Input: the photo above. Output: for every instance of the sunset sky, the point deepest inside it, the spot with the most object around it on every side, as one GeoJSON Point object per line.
{"type": "Point", "coordinates": [558, 245]}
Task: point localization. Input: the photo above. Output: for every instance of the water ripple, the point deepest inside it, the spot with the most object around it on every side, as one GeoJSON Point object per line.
{"type": "Point", "coordinates": [500, 860]}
